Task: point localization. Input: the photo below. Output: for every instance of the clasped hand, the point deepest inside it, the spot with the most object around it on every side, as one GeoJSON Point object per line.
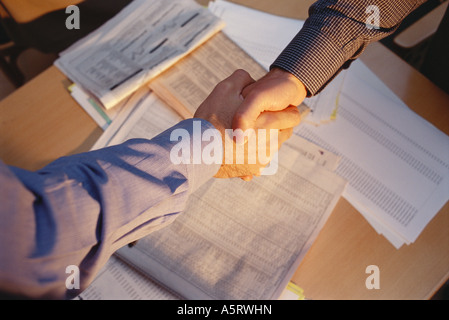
{"type": "Point", "coordinates": [251, 114]}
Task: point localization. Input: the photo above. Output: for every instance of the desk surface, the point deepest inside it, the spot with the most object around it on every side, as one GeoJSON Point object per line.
{"type": "Point", "coordinates": [41, 122]}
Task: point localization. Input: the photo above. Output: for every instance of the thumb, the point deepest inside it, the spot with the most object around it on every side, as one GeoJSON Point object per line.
{"type": "Point", "coordinates": [256, 100]}
{"type": "Point", "coordinates": [275, 91]}
{"type": "Point", "coordinates": [249, 110]}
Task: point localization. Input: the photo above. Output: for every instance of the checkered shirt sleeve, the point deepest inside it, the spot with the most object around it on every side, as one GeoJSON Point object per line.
{"type": "Point", "coordinates": [336, 33]}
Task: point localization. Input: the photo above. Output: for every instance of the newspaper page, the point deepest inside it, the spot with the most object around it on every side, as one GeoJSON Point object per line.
{"type": "Point", "coordinates": [117, 280]}
{"type": "Point", "coordinates": [239, 240]}
{"type": "Point", "coordinates": [187, 84]}
{"type": "Point", "coordinates": [144, 39]}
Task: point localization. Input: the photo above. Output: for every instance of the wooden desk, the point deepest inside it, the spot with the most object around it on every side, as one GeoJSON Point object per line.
{"type": "Point", "coordinates": [40, 122]}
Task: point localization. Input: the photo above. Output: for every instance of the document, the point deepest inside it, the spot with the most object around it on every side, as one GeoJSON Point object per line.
{"type": "Point", "coordinates": [118, 281]}
{"type": "Point", "coordinates": [150, 117]}
{"type": "Point", "coordinates": [263, 36]}
{"type": "Point", "coordinates": [144, 39]}
{"type": "Point", "coordinates": [396, 163]}
{"type": "Point", "coordinates": [187, 84]}
{"type": "Point", "coordinates": [101, 116]}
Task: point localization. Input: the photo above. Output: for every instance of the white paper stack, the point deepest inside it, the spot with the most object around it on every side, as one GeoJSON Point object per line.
{"type": "Point", "coordinates": [396, 163]}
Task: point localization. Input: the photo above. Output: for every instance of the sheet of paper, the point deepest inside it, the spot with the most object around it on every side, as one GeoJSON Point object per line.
{"type": "Point", "coordinates": [118, 281]}
{"type": "Point", "coordinates": [144, 39]}
{"type": "Point", "coordinates": [314, 153]}
{"type": "Point", "coordinates": [324, 106]}
{"type": "Point", "coordinates": [238, 240]}
{"type": "Point", "coordinates": [187, 84]}
{"type": "Point", "coordinates": [150, 117]}
{"type": "Point", "coordinates": [263, 36]}
{"type": "Point", "coordinates": [396, 163]}
{"type": "Point", "coordinates": [100, 115]}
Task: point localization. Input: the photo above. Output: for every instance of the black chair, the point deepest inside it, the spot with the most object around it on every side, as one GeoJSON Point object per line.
{"type": "Point", "coordinates": [9, 53]}
{"type": "Point", "coordinates": [425, 45]}
{"type": "Point", "coordinates": [48, 33]}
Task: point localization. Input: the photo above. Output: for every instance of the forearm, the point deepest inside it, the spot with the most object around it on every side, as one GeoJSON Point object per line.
{"type": "Point", "coordinates": [80, 209]}
{"type": "Point", "coordinates": [336, 33]}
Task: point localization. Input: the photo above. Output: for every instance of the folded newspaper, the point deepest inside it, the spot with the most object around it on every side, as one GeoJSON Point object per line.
{"type": "Point", "coordinates": [144, 39]}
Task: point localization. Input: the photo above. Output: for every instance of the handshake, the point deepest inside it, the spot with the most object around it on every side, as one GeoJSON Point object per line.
{"type": "Point", "coordinates": [246, 111]}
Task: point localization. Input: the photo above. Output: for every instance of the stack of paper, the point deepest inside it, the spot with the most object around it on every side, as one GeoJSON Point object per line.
{"type": "Point", "coordinates": [396, 163]}
{"type": "Point", "coordinates": [140, 42]}
{"type": "Point", "coordinates": [104, 117]}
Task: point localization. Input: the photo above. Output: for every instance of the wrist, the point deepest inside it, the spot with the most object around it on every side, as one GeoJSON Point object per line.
{"type": "Point", "coordinates": [280, 74]}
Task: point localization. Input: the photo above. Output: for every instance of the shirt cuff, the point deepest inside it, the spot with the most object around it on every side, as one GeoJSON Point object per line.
{"type": "Point", "coordinates": [313, 58]}
{"type": "Point", "coordinates": [197, 145]}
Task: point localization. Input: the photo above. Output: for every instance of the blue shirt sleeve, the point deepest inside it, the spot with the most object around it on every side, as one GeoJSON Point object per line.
{"type": "Point", "coordinates": [80, 209]}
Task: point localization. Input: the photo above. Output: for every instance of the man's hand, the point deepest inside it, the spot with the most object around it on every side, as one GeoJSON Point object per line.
{"type": "Point", "coordinates": [219, 109]}
{"type": "Point", "coordinates": [277, 90]}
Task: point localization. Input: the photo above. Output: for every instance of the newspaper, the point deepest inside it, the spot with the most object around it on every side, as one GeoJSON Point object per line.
{"type": "Point", "coordinates": [144, 39]}
{"type": "Point", "coordinates": [187, 84]}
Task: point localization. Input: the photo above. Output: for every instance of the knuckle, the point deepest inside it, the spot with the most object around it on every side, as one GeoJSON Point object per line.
{"type": "Point", "coordinates": [225, 85]}
{"type": "Point", "coordinates": [241, 73]}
